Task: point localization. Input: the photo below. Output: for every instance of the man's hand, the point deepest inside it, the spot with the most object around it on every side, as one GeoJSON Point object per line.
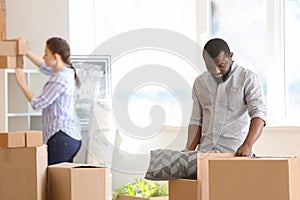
{"type": "Point", "coordinates": [244, 150]}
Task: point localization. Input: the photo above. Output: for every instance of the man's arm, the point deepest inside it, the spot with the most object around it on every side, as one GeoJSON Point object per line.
{"type": "Point", "coordinates": [194, 135]}
{"type": "Point", "coordinates": [255, 130]}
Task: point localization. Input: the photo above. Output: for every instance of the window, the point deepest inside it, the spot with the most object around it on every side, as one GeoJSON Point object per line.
{"type": "Point", "coordinates": [292, 64]}
{"type": "Point", "coordinates": [263, 36]}
{"type": "Point", "coordinates": [111, 18]}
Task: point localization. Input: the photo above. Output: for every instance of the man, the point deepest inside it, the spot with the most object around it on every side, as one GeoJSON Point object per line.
{"type": "Point", "coordinates": [228, 106]}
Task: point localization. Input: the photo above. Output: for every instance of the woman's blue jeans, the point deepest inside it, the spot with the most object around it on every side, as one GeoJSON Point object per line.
{"type": "Point", "coordinates": [62, 148]}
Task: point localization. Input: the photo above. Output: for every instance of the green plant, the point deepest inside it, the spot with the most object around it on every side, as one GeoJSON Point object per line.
{"type": "Point", "coordinates": [142, 188]}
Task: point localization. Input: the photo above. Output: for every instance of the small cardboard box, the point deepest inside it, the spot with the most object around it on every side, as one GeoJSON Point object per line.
{"type": "Point", "coordinates": [13, 47]}
{"type": "Point", "coordinates": [33, 138]}
{"type": "Point", "coordinates": [23, 173]}
{"type": "Point", "coordinates": [124, 197]}
{"type": "Point", "coordinates": [12, 139]}
{"type": "Point", "coordinates": [11, 62]}
{"type": "Point", "coordinates": [181, 189]}
{"type": "Point", "coordinates": [72, 181]}
{"type": "Point", "coordinates": [254, 178]}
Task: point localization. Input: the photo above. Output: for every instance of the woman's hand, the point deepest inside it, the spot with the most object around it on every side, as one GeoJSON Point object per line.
{"type": "Point", "coordinates": [21, 78]}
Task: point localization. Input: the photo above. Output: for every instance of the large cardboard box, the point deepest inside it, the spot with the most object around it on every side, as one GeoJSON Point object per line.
{"type": "Point", "coordinates": [124, 197]}
{"type": "Point", "coordinates": [203, 171]}
{"type": "Point", "coordinates": [195, 189]}
{"type": "Point", "coordinates": [181, 189]}
{"type": "Point", "coordinates": [11, 62]}
{"type": "Point", "coordinates": [254, 178]}
{"type": "Point", "coordinates": [13, 47]}
{"type": "Point", "coordinates": [202, 163]}
{"type": "Point", "coordinates": [12, 139]}
{"type": "Point", "coordinates": [23, 173]}
{"type": "Point", "coordinates": [72, 181]}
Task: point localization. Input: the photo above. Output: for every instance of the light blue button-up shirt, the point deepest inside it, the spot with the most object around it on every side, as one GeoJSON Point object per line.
{"type": "Point", "coordinates": [224, 110]}
{"type": "Point", "coordinates": [57, 102]}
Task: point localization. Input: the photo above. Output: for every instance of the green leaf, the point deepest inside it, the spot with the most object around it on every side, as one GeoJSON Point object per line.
{"type": "Point", "coordinates": [143, 188]}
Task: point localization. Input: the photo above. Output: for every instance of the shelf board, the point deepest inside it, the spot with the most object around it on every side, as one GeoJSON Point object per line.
{"type": "Point", "coordinates": [24, 114]}
{"type": "Point", "coordinates": [11, 70]}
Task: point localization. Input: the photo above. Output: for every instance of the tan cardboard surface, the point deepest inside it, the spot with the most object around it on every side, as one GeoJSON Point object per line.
{"type": "Point", "coordinates": [12, 139]}
{"type": "Point", "coordinates": [13, 47]}
{"type": "Point", "coordinates": [8, 48]}
{"type": "Point", "coordinates": [23, 173]}
{"type": "Point", "coordinates": [254, 178]}
{"type": "Point", "coordinates": [181, 189]}
{"type": "Point", "coordinates": [72, 181]}
{"type": "Point", "coordinates": [33, 138]}
{"type": "Point", "coordinates": [202, 163]}
{"type": "Point", "coordinates": [11, 61]}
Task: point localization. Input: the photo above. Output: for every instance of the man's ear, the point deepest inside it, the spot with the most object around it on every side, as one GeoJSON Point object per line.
{"type": "Point", "coordinates": [231, 54]}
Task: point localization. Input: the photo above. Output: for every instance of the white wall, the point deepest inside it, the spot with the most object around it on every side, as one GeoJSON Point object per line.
{"type": "Point", "coordinates": [279, 141]}
{"type": "Point", "coordinates": [37, 20]}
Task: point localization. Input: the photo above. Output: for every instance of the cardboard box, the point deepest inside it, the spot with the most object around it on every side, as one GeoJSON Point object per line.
{"type": "Point", "coordinates": [202, 163]}
{"type": "Point", "coordinates": [23, 173]}
{"type": "Point", "coordinates": [3, 35]}
{"type": "Point", "coordinates": [254, 178]}
{"type": "Point", "coordinates": [33, 138]}
{"type": "Point", "coordinates": [181, 189]}
{"type": "Point", "coordinates": [12, 139]}
{"type": "Point", "coordinates": [203, 171]}
{"type": "Point", "coordinates": [72, 181]}
{"type": "Point", "coordinates": [11, 62]}
{"type": "Point", "coordinates": [124, 197]}
{"type": "Point", "coordinates": [13, 47]}
{"type": "Point", "coordinates": [2, 5]}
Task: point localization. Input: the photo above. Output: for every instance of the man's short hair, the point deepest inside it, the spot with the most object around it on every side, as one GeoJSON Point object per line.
{"type": "Point", "coordinates": [215, 46]}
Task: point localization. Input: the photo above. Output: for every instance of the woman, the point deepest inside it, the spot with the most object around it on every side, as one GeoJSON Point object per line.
{"type": "Point", "coordinates": [57, 100]}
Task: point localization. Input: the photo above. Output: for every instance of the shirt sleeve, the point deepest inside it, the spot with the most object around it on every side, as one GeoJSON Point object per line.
{"type": "Point", "coordinates": [54, 87]}
{"type": "Point", "coordinates": [255, 98]}
{"type": "Point", "coordinates": [46, 69]}
{"type": "Point", "coordinates": [196, 116]}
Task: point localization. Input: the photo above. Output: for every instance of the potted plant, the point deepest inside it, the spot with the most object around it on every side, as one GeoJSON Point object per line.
{"type": "Point", "coordinates": [142, 189]}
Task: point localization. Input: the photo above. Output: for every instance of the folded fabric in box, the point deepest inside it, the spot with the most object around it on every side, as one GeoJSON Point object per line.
{"type": "Point", "coordinates": [166, 164]}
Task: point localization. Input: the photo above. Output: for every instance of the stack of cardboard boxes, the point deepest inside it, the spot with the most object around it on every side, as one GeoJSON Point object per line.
{"type": "Point", "coordinates": [23, 172]}
{"type": "Point", "coordinates": [11, 53]}
{"type": "Point", "coordinates": [224, 177]}
{"type": "Point", "coordinates": [2, 20]}
{"type": "Point", "coordinates": [23, 166]}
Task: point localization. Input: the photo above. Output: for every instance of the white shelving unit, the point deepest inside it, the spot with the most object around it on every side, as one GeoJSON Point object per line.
{"type": "Point", "coordinates": [16, 114]}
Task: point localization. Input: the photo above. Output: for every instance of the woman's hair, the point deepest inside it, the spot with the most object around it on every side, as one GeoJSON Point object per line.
{"type": "Point", "coordinates": [62, 48]}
